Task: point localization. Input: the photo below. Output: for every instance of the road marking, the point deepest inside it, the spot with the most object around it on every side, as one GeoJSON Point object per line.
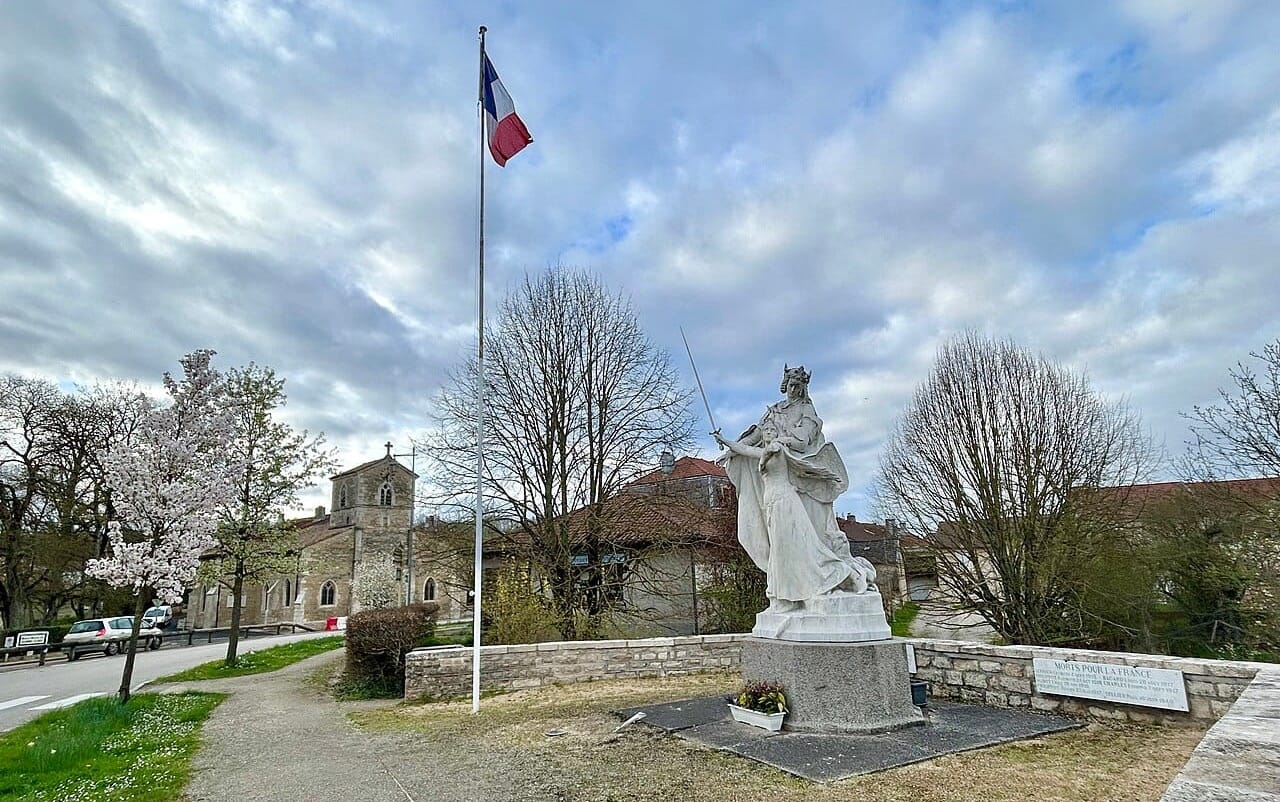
{"type": "Point", "coordinates": [70, 700]}
{"type": "Point", "coordinates": [21, 700]}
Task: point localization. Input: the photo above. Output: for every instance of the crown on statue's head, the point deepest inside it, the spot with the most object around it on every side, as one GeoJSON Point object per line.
{"type": "Point", "coordinates": [798, 372]}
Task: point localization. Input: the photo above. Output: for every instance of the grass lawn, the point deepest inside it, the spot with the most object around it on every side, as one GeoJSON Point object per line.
{"type": "Point", "coordinates": [102, 750]}
{"type": "Point", "coordinates": [902, 618]}
{"type": "Point", "coordinates": [505, 753]}
{"type": "Point", "coordinates": [259, 661]}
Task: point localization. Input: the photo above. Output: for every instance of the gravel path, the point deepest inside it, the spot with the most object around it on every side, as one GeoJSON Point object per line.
{"type": "Point", "coordinates": [279, 737]}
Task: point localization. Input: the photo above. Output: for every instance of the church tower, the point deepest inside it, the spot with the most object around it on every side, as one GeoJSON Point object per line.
{"type": "Point", "coordinates": [374, 497]}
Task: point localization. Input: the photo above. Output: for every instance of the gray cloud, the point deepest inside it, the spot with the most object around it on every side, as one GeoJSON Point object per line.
{"type": "Point", "coordinates": [841, 186]}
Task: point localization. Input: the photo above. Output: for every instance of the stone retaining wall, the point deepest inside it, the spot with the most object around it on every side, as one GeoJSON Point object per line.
{"type": "Point", "coordinates": [998, 676]}
{"type": "Point", "coordinates": [1238, 760]}
{"type": "Point", "coordinates": [1001, 676]}
{"type": "Point", "coordinates": [443, 673]}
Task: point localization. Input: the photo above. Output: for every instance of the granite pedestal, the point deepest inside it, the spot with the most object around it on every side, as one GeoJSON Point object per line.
{"type": "Point", "coordinates": [836, 687]}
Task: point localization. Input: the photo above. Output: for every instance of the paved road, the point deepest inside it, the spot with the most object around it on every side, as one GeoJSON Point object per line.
{"type": "Point", "coordinates": [28, 692]}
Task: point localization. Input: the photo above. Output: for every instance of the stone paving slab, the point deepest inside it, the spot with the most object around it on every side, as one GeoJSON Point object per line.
{"type": "Point", "coordinates": [949, 727]}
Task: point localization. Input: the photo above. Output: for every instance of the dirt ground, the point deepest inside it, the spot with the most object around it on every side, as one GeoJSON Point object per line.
{"type": "Point", "coordinates": [506, 749]}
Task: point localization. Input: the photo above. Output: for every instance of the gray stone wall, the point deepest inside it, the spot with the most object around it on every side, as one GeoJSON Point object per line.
{"type": "Point", "coordinates": [1238, 760]}
{"type": "Point", "coordinates": [445, 673]}
{"type": "Point", "coordinates": [998, 676]}
{"type": "Point", "coordinates": [1001, 676]}
{"type": "Point", "coordinates": [330, 559]}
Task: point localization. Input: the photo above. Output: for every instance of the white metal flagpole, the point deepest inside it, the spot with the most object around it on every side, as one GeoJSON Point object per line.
{"type": "Point", "coordinates": [479, 545]}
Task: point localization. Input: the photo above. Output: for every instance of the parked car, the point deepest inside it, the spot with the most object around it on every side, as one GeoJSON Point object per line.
{"type": "Point", "coordinates": [149, 636]}
{"type": "Point", "coordinates": [161, 617]}
{"type": "Point", "coordinates": [108, 635]}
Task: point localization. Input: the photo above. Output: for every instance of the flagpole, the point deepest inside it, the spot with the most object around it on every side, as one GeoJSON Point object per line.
{"type": "Point", "coordinates": [479, 545]}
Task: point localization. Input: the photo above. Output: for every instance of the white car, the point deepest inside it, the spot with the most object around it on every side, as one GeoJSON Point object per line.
{"type": "Point", "coordinates": [160, 616]}
{"type": "Point", "coordinates": [108, 635]}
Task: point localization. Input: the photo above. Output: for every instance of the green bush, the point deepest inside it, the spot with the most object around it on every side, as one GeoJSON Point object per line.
{"type": "Point", "coordinates": [514, 612]}
{"type": "Point", "coordinates": [763, 696]}
{"type": "Point", "coordinates": [378, 640]}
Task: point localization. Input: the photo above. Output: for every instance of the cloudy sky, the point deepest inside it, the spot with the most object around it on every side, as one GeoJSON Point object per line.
{"type": "Point", "coordinates": [838, 184]}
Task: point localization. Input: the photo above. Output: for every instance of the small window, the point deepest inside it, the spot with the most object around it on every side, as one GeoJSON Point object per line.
{"type": "Point", "coordinates": [287, 599]}
{"type": "Point", "coordinates": [328, 591]}
{"type": "Point", "coordinates": [398, 558]}
{"type": "Point", "coordinates": [429, 590]}
{"type": "Point", "coordinates": [342, 497]}
{"type": "Point", "coordinates": [384, 495]}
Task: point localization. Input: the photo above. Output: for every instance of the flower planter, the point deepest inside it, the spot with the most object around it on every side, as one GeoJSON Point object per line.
{"type": "Point", "coordinates": [765, 721]}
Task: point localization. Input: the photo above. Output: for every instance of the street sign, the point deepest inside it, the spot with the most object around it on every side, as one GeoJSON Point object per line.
{"type": "Point", "coordinates": [40, 638]}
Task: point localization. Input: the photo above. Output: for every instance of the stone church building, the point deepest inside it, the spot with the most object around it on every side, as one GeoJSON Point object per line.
{"type": "Point", "coordinates": [370, 519]}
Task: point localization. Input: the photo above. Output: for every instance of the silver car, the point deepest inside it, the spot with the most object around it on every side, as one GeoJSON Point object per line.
{"type": "Point", "coordinates": [108, 635]}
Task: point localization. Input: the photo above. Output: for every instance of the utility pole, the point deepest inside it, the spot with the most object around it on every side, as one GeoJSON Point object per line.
{"type": "Point", "coordinates": [412, 454]}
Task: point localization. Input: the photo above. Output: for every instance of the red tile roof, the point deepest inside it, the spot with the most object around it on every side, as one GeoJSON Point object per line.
{"type": "Point", "coordinates": [631, 519]}
{"type": "Point", "coordinates": [1158, 492]}
{"type": "Point", "coordinates": [860, 531]}
{"type": "Point", "coordinates": [685, 468]}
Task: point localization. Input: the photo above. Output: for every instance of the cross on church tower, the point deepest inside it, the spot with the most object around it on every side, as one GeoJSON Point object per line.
{"type": "Point", "coordinates": [388, 444]}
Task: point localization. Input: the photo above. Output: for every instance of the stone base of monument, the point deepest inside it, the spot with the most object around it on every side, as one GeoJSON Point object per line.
{"type": "Point", "coordinates": [836, 687]}
{"type": "Point", "coordinates": [835, 617]}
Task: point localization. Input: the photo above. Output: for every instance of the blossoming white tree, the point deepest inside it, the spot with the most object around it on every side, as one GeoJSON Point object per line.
{"type": "Point", "coordinates": [375, 585]}
{"type": "Point", "coordinates": [166, 482]}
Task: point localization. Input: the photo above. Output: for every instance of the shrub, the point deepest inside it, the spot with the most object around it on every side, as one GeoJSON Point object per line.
{"type": "Point", "coordinates": [514, 612]}
{"type": "Point", "coordinates": [763, 696]}
{"type": "Point", "coordinates": [378, 640]}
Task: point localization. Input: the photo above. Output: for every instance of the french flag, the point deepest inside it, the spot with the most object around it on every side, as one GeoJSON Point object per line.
{"type": "Point", "coordinates": [506, 131]}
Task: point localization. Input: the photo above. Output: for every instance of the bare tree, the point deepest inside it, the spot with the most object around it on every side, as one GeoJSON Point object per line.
{"type": "Point", "coordinates": [994, 463]}
{"type": "Point", "coordinates": [579, 400]}
{"type": "Point", "coordinates": [54, 503]}
{"type": "Point", "coordinates": [1224, 570]}
{"type": "Point", "coordinates": [1240, 435]}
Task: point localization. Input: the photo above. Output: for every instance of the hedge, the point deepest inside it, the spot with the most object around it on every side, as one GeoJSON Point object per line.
{"type": "Point", "coordinates": [378, 640]}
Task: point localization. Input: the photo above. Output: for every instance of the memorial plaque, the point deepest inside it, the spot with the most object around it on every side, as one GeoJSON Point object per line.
{"type": "Point", "coordinates": [1131, 685]}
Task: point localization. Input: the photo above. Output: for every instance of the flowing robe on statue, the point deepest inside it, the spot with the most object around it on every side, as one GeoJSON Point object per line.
{"type": "Point", "coordinates": [791, 533]}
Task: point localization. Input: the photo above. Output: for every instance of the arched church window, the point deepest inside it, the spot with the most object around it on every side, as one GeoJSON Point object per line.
{"type": "Point", "coordinates": [328, 592]}
{"type": "Point", "coordinates": [287, 599]}
{"type": "Point", "coordinates": [384, 494]}
{"type": "Point", "coordinates": [429, 590]}
{"type": "Point", "coordinates": [342, 497]}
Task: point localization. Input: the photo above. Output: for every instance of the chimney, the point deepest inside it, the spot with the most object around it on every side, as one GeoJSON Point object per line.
{"type": "Point", "coordinates": [851, 518]}
{"type": "Point", "coordinates": [891, 524]}
{"type": "Point", "coordinates": [667, 462]}
{"type": "Point", "coordinates": [319, 512]}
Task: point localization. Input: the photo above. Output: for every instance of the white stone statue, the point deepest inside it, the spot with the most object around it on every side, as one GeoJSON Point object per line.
{"type": "Point", "coordinates": [787, 476]}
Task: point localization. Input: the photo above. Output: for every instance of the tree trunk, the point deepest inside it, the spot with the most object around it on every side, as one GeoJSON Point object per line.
{"type": "Point", "coordinates": [14, 596]}
{"type": "Point", "coordinates": [127, 679]}
{"type": "Point", "coordinates": [237, 591]}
